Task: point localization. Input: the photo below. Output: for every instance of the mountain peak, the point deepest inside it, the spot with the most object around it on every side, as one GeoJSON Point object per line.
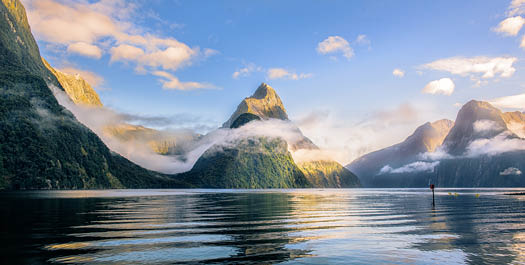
{"type": "Point", "coordinates": [264, 103]}
{"type": "Point", "coordinates": [464, 130]}
{"type": "Point", "coordinates": [262, 91]}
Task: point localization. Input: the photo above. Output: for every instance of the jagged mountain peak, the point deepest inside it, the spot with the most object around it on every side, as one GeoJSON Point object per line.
{"type": "Point", "coordinates": [263, 91]}
{"type": "Point", "coordinates": [264, 103]}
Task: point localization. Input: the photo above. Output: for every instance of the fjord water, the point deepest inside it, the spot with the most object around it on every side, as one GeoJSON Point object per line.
{"type": "Point", "coordinates": [359, 226]}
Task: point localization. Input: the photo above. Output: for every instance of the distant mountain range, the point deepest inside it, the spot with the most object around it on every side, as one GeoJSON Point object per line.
{"type": "Point", "coordinates": [482, 148]}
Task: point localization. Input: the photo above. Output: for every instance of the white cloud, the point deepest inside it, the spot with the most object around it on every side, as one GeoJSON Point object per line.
{"type": "Point", "coordinates": [501, 143]}
{"type": "Point", "coordinates": [443, 86]}
{"type": "Point", "coordinates": [510, 171]}
{"type": "Point", "coordinates": [171, 82]}
{"type": "Point", "coordinates": [509, 102]}
{"type": "Point", "coordinates": [90, 77]}
{"type": "Point", "coordinates": [126, 52]}
{"type": "Point", "coordinates": [522, 44]}
{"type": "Point", "coordinates": [516, 7]}
{"type": "Point", "coordinates": [281, 73]}
{"type": "Point", "coordinates": [487, 67]}
{"type": "Point", "coordinates": [335, 44]}
{"type": "Point", "coordinates": [481, 126]}
{"type": "Point", "coordinates": [85, 49]}
{"type": "Point", "coordinates": [418, 166]}
{"type": "Point", "coordinates": [92, 28]}
{"type": "Point", "coordinates": [510, 26]}
{"type": "Point", "coordinates": [398, 72]}
{"type": "Point", "coordinates": [247, 70]}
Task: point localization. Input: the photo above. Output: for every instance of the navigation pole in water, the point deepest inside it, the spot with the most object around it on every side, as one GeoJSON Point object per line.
{"type": "Point", "coordinates": [432, 188]}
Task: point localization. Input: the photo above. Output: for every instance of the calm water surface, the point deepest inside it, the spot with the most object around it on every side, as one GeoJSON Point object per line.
{"type": "Point", "coordinates": [348, 226]}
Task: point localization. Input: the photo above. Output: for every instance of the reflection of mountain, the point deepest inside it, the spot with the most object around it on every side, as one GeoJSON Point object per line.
{"type": "Point", "coordinates": [462, 227]}
{"type": "Point", "coordinates": [482, 149]}
{"type": "Point", "coordinates": [258, 159]}
{"type": "Point", "coordinates": [42, 144]}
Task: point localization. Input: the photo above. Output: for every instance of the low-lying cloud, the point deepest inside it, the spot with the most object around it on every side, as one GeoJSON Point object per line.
{"type": "Point", "coordinates": [418, 166]}
{"type": "Point", "coordinates": [510, 171]}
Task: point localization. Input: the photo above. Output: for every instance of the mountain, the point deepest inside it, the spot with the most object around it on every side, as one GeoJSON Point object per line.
{"type": "Point", "coordinates": [482, 149]}
{"type": "Point", "coordinates": [485, 151]}
{"type": "Point", "coordinates": [426, 138]}
{"type": "Point", "coordinates": [42, 145]}
{"type": "Point", "coordinates": [264, 103]}
{"type": "Point", "coordinates": [464, 130]}
{"type": "Point", "coordinates": [76, 87]}
{"type": "Point", "coordinates": [254, 161]}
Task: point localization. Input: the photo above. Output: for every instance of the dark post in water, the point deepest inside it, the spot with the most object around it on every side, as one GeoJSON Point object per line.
{"type": "Point", "coordinates": [432, 188]}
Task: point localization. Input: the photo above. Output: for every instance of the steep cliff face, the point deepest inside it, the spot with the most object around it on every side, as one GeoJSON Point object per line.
{"type": "Point", "coordinates": [264, 103]}
{"type": "Point", "coordinates": [265, 162]}
{"type": "Point", "coordinates": [488, 118]}
{"type": "Point", "coordinates": [76, 87]}
{"type": "Point", "coordinates": [426, 138]}
{"type": "Point", "coordinates": [42, 146]}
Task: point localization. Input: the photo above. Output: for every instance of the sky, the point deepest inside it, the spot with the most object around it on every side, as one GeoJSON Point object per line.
{"type": "Point", "coordinates": [355, 76]}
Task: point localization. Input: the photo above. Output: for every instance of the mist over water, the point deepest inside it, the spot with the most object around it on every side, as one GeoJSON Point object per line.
{"type": "Point", "coordinates": [360, 226]}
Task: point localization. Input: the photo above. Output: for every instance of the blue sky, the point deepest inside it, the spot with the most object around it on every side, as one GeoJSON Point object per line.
{"type": "Point", "coordinates": [331, 62]}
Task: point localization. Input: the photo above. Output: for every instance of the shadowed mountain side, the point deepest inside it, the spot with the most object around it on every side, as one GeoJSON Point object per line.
{"type": "Point", "coordinates": [42, 146]}
{"type": "Point", "coordinates": [426, 138]}
{"type": "Point", "coordinates": [482, 149]}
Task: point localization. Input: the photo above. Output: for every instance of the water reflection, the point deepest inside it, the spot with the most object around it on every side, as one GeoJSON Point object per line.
{"type": "Point", "coordinates": [274, 226]}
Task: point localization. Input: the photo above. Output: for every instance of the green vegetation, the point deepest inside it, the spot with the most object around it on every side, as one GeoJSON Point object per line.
{"type": "Point", "coordinates": [329, 174]}
{"type": "Point", "coordinates": [42, 146]}
{"type": "Point", "coordinates": [249, 163]}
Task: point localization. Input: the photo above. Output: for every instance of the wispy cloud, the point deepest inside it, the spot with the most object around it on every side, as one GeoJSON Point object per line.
{"type": "Point", "coordinates": [247, 70]}
{"type": "Point", "coordinates": [94, 28]}
{"type": "Point", "coordinates": [487, 67]}
{"type": "Point", "coordinates": [509, 102]}
{"type": "Point", "coordinates": [171, 82]}
{"type": "Point", "coordinates": [281, 73]}
{"type": "Point", "coordinates": [444, 86]}
{"type": "Point", "coordinates": [85, 49]}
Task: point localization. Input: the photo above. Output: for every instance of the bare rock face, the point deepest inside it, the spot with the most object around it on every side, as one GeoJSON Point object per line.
{"type": "Point", "coordinates": [465, 131]}
{"type": "Point", "coordinates": [426, 138]}
{"type": "Point", "coordinates": [265, 103]}
{"type": "Point", "coordinates": [515, 122]}
{"type": "Point", "coordinates": [76, 87]}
